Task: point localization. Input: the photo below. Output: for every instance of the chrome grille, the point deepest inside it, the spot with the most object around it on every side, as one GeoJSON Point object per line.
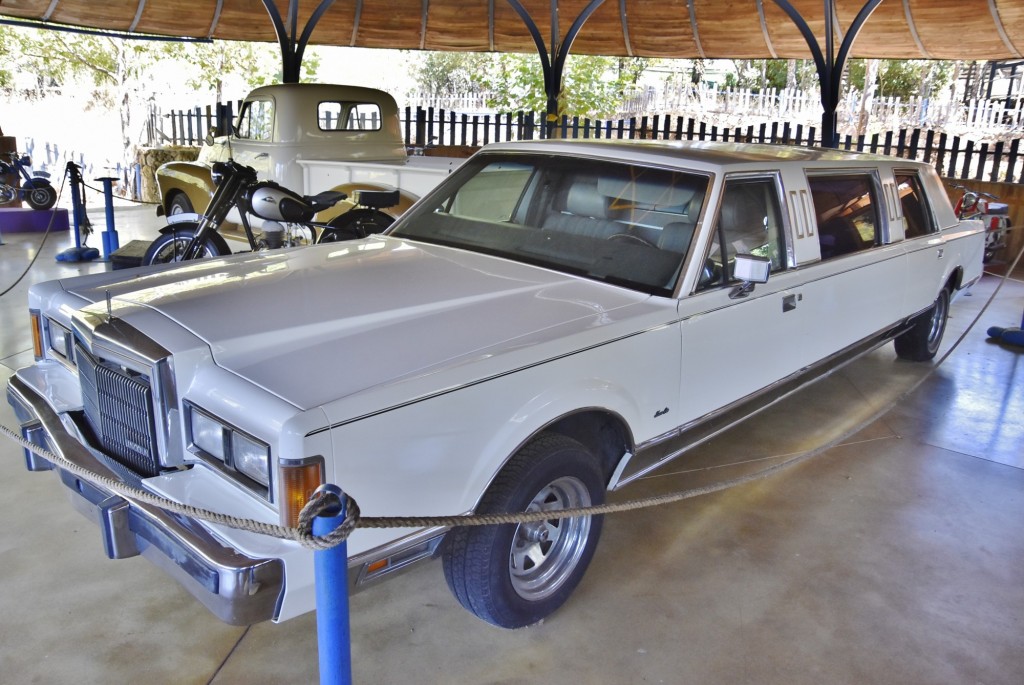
{"type": "Point", "coordinates": [119, 408]}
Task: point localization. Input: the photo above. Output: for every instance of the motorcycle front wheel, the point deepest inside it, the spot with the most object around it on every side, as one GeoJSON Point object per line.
{"type": "Point", "coordinates": [40, 194]}
{"type": "Point", "coordinates": [170, 246]}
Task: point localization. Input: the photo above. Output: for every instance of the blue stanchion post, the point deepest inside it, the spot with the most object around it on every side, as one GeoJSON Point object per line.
{"type": "Point", "coordinates": [331, 576]}
{"type": "Point", "coordinates": [78, 253]}
{"type": "Point", "coordinates": [110, 241]}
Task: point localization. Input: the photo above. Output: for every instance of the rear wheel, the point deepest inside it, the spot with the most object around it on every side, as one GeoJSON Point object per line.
{"type": "Point", "coordinates": [921, 342]}
{"type": "Point", "coordinates": [40, 194]}
{"type": "Point", "coordinates": [515, 575]}
{"type": "Point", "coordinates": [170, 247]}
{"type": "Point", "coordinates": [356, 223]}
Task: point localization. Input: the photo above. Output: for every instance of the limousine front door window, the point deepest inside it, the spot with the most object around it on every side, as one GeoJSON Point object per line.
{"type": "Point", "coordinates": [749, 222]}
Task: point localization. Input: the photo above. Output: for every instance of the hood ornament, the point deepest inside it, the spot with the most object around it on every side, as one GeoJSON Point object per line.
{"type": "Point", "coordinates": [110, 309]}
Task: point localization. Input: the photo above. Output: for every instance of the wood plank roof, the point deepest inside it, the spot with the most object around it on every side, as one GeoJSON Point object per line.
{"type": "Point", "coordinates": [911, 29]}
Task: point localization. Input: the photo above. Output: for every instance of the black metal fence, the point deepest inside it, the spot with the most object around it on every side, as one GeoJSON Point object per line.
{"type": "Point", "coordinates": [425, 127]}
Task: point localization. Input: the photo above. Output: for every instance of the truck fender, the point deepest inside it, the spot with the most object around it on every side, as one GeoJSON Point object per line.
{"type": "Point", "coordinates": [192, 179]}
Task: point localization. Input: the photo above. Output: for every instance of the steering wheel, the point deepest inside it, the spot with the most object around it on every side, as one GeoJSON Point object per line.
{"type": "Point", "coordinates": [632, 238]}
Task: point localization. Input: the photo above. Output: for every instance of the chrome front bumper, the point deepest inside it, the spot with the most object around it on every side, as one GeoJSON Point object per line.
{"type": "Point", "coordinates": [238, 589]}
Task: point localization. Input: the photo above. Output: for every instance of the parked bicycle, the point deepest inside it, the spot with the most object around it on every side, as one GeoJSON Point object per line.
{"type": "Point", "coordinates": [976, 204]}
{"type": "Point", "coordinates": [287, 217]}
{"type": "Point", "coordinates": [35, 189]}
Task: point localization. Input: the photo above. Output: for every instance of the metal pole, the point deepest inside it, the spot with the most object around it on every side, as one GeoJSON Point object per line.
{"type": "Point", "coordinates": [110, 241]}
{"type": "Point", "coordinates": [77, 209]}
{"type": "Point", "coordinates": [331, 576]}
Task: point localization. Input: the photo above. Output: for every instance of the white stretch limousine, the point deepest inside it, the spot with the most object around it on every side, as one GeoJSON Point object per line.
{"type": "Point", "coordinates": [553, 321]}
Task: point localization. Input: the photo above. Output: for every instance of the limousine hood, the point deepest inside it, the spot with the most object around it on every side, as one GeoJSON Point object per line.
{"type": "Point", "coordinates": [323, 323]}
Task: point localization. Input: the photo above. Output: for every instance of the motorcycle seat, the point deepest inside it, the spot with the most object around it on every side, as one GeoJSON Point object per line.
{"type": "Point", "coordinates": [323, 200]}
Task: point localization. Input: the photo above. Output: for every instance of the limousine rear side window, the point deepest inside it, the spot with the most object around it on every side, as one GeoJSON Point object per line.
{"type": "Point", "coordinates": [846, 208]}
{"type": "Point", "coordinates": [917, 215]}
{"type": "Point", "coordinates": [749, 222]}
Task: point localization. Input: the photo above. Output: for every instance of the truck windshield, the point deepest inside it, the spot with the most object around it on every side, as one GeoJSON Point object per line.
{"type": "Point", "coordinates": [617, 223]}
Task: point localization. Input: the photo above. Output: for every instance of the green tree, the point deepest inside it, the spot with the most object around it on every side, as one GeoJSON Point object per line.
{"type": "Point", "coordinates": [6, 77]}
{"type": "Point", "coordinates": [451, 73]}
{"type": "Point", "coordinates": [592, 86]}
{"type": "Point", "coordinates": [257, 64]}
{"type": "Point", "coordinates": [115, 66]}
{"type": "Point", "coordinates": [903, 78]}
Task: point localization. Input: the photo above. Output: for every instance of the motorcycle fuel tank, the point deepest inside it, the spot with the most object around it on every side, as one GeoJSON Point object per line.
{"type": "Point", "coordinates": [268, 200]}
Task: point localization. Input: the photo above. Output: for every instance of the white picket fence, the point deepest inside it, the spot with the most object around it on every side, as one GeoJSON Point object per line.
{"type": "Point", "coordinates": [735, 107]}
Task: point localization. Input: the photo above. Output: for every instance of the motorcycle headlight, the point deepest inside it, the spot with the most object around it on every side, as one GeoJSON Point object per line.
{"type": "Point", "coordinates": [217, 173]}
{"type": "Point", "coordinates": [234, 450]}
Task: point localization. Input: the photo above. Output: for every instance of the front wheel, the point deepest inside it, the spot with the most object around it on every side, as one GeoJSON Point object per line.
{"type": "Point", "coordinates": [921, 342]}
{"type": "Point", "coordinates": [170, 246]}
{"type": "Point", "coordinates": [515, 575]}
{"type": "Point", "coordinates": [40, 194]}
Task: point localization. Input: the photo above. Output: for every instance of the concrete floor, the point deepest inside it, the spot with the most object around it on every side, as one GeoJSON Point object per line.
{"type": "Point", "coordinates": [895, 557]}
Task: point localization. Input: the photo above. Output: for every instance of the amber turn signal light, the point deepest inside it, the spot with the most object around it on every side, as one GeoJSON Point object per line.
{"type": "Point", "coordinates": [299, 478]}
{"type": "Point", "coordinates": [37, 333]}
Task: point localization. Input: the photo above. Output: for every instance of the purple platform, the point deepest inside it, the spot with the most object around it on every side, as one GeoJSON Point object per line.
{"type": "Point", "coordinates": [27, 220]}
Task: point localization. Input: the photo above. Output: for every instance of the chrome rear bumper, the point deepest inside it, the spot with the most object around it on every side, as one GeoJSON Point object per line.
{"type": "Point", "coordinates": [238, 589]}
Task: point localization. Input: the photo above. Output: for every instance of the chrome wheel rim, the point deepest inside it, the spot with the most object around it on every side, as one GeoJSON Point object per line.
{"type": "Point", "coordinates": [938, 321]}
{"type": "Point", "coordinates": [173, 251]}
{"type": "Point", "coordinates": [39, 196]}
{"type": "Point", "coordinates": [544, 554]}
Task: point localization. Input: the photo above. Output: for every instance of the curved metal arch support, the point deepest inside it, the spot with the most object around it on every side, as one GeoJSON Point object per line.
{"type": "Point", "coordinates": [625, 27]}
{"type": "Point", "coordinates": [216, 18]}
{"type": "Point", "coordinates": [553, 63]}
{"type": "Point", "coordinates": [292, 50]}
{"type": "Point", "coordinates": [829, 66]}
{"type": "Point", "coordinates": [764, 29]}
{"type": "Point", "coordinates": [994, 11]}
{"type": "Point", "coordinates": [696, 29]}
{"type": "Point", "coordinates": [138, 15]}
{"type": "Point", "coordinates": [913, 29]}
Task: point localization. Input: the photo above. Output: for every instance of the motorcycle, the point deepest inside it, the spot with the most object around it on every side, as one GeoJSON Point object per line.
{"type": "Point", "coordinates": [35, 188]}
{"type": "Point", "coordinates": [287, 217]}
{"type": "Point", "coordinates": [974, 204]}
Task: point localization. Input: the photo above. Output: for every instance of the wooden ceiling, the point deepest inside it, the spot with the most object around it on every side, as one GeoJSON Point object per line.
{"type": "Point", "coordinates": [911, 29]}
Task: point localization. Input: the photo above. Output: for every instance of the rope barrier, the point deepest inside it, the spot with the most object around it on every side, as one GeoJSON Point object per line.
{"type": "Point", "coordinates": [303, 532]}
{"type": "Point", "coordinates": [39, 250]}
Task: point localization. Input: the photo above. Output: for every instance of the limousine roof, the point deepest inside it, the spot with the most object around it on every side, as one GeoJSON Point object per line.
{"type": "Point", "coordinates": [702, 155]}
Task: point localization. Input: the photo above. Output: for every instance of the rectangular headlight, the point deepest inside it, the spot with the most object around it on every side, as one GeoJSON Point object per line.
{"type": "Point", "coordinates": [208, 434]}
{"type": "Point", "coordinates": [60, 339]}
{"type": "Point", "coordinates": [250, 458]}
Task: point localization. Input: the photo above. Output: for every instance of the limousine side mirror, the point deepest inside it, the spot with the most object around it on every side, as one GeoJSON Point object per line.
{"type": "Point", "coordinates": [751, 270]}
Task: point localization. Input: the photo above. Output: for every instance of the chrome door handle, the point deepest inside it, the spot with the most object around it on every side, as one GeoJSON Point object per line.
{"type": "Point", "coordinates": [262, 155]}
{"type": "Point", "coordinates": [789, 302]}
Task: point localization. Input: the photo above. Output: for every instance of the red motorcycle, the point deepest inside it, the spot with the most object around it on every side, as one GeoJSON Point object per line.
{"type": "Point", "coordinates": [975, 204]}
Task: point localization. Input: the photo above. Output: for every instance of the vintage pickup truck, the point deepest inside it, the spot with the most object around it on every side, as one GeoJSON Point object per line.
{"type": "Point", "coordinates": [552, 322]}
{"type": "Point", "coordinates": [311, 137]}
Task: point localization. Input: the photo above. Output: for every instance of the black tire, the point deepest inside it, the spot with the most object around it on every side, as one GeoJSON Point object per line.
{"type": "Point", "coordinates": [170, 246]}
{"type": "Point", "coordinates": [179, 204]}
{"type": "Point", "coordinates": [355, 224]}
{"type": "Point", "coordinates": [921, 342]}
{"type": "Point", "coordinates": [40, 194]}
{"type": "Point", "coordinates": [515, 575]}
